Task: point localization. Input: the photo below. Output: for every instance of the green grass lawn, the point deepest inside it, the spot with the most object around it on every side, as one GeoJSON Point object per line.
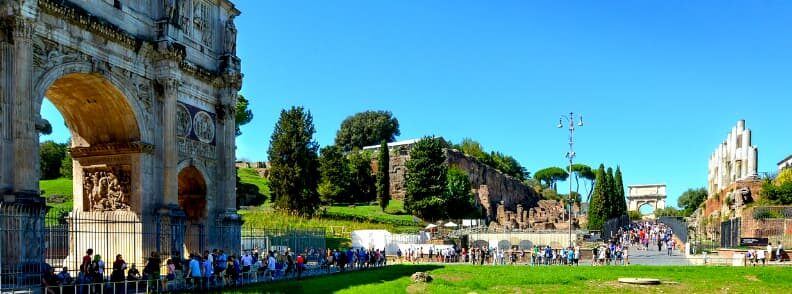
{"type": "Point", "coordinates": [251, 176]}
{"type": "Point", "coordinates": [393, 214]}
{"type": "Point", "coordinates": [61, 186]}
{"type": "Point", "coordinates": [524, 279]}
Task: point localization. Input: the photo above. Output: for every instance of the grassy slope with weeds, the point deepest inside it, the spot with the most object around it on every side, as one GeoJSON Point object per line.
{"type": "Point", "coordinates": [558, 279]}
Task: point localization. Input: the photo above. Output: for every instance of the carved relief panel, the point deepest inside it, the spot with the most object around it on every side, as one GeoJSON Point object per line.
{"type": "Point", "coordinates": [107, 188]}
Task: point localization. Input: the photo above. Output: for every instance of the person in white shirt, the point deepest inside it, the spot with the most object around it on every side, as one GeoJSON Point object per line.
{"type": "Point", "coordinates": [270, 267]}
{"type": "Point", "coordinates": [247, 261]}
{"type": "Point", "coordinates": [760, 255]}
{"type": "Point", "coordinates": [769, 251]}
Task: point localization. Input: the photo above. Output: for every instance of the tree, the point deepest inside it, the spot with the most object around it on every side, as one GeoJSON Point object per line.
{"type": "Point", "coordinates": [550, 176]}
{"type": "Point", "coordinates": [691, 199]}
{"type": "Point", "coordinates": [333, 167]}
{"type": "Point", "coordinates": [294, 172]}
{"type": "Point", "coordinates": [621, 201]}
{"type": "Point", "coordinates": [459, 199]}
{"type": "Point", "coordinates": [785, 176]}
{"type": "Point", "coordinates": [473, 149]}
{"type": "Point", "coordinates": [367, 128]}
{"type": "Point", "coordinates": [596, 216]}
{"type": "Point", "coordinates": [51, 157]}
{"type": "Point", "coordinates": [426, 181]}
{"type": "Point", "coordinates": [362, 186]}
{"type": "Point", "coordinates": [668, 211]}
{"type": "Point", "coordinates": [508, 165]}
{"type": "Point", "coordinates": [66, 165]}
{"type": "Point", "coordinates": [609, 206]}
{"type": "Point", "coordinates": [243, 115]}
{"type": "Point", "coordinates": [582, 171]}
{"type": "Point", "coordinates": [777, 194]}
{"type": "Point", "coordinates": [634, 215]}
{"type": "Point", "coordinates": [383, 175]}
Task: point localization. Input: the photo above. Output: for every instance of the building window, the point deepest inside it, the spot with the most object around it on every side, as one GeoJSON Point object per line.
{"type": "Point", "coordinates": [117, 4]}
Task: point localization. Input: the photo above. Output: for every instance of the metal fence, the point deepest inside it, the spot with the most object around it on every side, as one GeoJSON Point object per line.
{"type": "Point", "coordinates": [611, 227]}
{"type": "Point", "coordinates": [311, 241]}
{"type": "Point", "coordinates": [32, 240]}
{"type": "Point", "coordinates": [678, 225]}
{"type": "Point", "coordinates": [730, 233]}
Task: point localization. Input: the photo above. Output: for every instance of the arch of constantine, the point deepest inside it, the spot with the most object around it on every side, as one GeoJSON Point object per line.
{"type": "Point", "coordinates": [148, 90]}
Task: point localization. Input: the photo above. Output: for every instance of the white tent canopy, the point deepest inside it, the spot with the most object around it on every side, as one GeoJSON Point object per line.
{"type": "Point", "coordinates": [450, 225]}
{"type": "Point", "coordinates": [431, 226]}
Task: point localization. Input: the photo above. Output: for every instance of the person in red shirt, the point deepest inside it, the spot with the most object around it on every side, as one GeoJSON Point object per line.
{"type": "Point", "coordinates": [300, 265]}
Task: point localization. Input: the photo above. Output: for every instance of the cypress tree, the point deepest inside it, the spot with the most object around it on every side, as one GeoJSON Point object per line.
{"type": "Point", "coordinates": [622, 202]}
{"type": "Point", "coordinates": [610, 198]}
{"type": "Point", "coordinates": [383, 175]}
{"type": "Point", "coordinates": [596, 216]}
{"type": "Point", "coordinates": [294, 175]}
{"type": "Point", "coordinates": [426, 180]}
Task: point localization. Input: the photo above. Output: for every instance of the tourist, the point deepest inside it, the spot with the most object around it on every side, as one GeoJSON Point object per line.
{"type": "Point", "coordinates": [271, 266]}
{"type": "Point", "coordinates": [171, 270]}
{"type": "Point", "coordinates": [117, 275]}
{"type": "Point", "coordinates": [300, 265]}
{"type": "Point", "coordinates": [208, 272]}
{"type": "Point", "coordinates": [247, 261]}
{"type": "Point", "coordinates": [151, 271]}
{"type": "Point", "coordinates": [133, 274]}
{"type": "Point", "coordinates": [194, 271]}
{"type": "Point", "coordinates": [779, 252]}
{"type": "Point", "coordinates": [749, 256]}
{"type": "Point", "coordinates": [399, 255]}
{"type": "Point", "coordinates": [64, 278]}
{"type": "Point", "coordinates": [769, 251]}
{"type": "Point", "coordinates": [760, 256]}
{"type": "Point", "coordinates": [48, 279]}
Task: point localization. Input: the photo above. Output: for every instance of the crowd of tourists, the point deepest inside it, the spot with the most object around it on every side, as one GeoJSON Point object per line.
{"type": "Point", "coordinates": [352, 259]}
{"type": "Point", "coordinates": [536, 255]}
{"type": "Point", "coordinates": [201, 271]}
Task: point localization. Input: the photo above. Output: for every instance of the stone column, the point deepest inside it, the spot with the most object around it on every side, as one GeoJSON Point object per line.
{"type": "Point", "coordinates": [25, 136]}
{"type": "Point", "coordinates": [226, 144]}
{"type": "Point", "coordinates": [170, 149]}
{"type": "Point", "coordinates": [6, 145]}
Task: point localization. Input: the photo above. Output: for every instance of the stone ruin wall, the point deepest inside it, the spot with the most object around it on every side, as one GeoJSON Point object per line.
{"type": "Point", "coordinates": [497, 192]}
{"type": "Point", "coordinates": [506, 202]}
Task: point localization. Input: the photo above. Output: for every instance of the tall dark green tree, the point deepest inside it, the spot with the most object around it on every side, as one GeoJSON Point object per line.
{"type": "Point", "coordinates": [459, 199]}
{"type": "Point", "coordinates": [367, 128]}
{"type": "Point", "coordinates": [383, 175]}
{"type": "Point", "coordinates": [426, 181]}
{"type": "Point", "coordinates": [51, 156]}
{"type": "Point", "coordinates": [294, 172]}
{"type": "Point", "coordinates": [621, 202]}
{"type": "Point", "coordinates": [610, 198]}
{"type": "Point", "coordinates": [596, 213]}
{"type": "Point", "coordinates": [242, 115]}
{"type": "Point", "coordinates": [362, 183]}
{"type": "Point", "coordinates": [66, 165]}
{"type": "Point", "coordinates": [333, 167]}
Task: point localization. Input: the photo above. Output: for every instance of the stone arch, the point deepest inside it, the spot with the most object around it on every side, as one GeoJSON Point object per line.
{"type": "Point", "coordinates": [193, 193]}
{"type": "Point", "coordinates": [108, 131]}
{"type": "Point", "coordinates": [651, 204]}
{"type": "Point", "coordinates": [111, 84]}
{"type": "Point", "coordinates": [504, 244]}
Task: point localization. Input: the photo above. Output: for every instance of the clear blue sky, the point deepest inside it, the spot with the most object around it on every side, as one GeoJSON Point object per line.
{"type": "Point", "coordinates": [660, 83]}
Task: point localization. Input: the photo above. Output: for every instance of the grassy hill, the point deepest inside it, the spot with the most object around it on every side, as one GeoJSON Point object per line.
{"type": "Point", "coordinates": [338, 221]}
{"type": "Point", "coordinates": [58, 193]}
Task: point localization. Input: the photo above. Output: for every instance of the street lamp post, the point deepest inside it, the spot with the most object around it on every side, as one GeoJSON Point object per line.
{"type": "Point", "coordinates": [571, 156]}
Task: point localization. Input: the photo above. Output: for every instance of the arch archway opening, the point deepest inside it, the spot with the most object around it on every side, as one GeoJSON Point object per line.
{"type": "Point", "coordinates": [192, 193]}
{"type": "Point", "coordinates": [103, 139]}
{"type": "Point", "coordinates": [646, 208]}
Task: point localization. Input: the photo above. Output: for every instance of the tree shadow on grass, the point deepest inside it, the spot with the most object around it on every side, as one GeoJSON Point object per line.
{"type": "Point", "coordinates": [337, 281]}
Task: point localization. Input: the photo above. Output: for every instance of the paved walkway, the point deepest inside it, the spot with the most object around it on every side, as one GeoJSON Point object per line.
{"type": "Point", "coordinates": [654, 257]}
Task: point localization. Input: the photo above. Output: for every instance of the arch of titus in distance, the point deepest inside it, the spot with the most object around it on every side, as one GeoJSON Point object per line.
{"type": "Point", "coordinates": [148, 90]}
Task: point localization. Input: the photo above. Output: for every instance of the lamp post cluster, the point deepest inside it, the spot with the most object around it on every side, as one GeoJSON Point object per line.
{"type": "Point", "coordinates": [570, 155]}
